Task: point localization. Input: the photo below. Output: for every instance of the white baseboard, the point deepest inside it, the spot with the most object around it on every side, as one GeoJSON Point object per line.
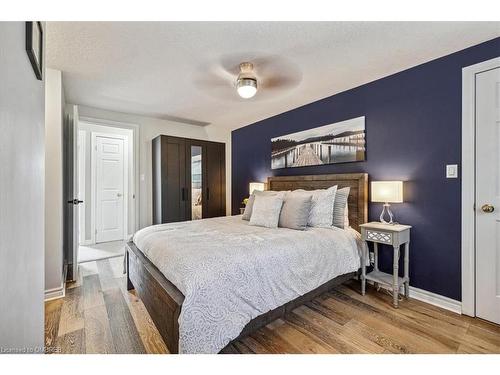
{"type": "Point", "coordinates": [436, 300]}
{"type": "Point", "coordinates": [60, 291]}
{"type": "Point", "coordinates": [55, 293]}
{"type": "Point", "coordinates": [431, 298]}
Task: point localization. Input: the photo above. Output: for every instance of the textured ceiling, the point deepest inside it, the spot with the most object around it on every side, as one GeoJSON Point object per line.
{"type": "Point", "coordinates": [182, 71]}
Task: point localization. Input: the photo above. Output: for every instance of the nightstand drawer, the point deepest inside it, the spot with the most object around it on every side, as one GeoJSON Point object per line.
{"type": "Point", "coordinates": [381, 237]}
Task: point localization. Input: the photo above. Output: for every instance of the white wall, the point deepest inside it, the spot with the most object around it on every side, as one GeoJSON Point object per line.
{"type": "Point", "coordinates": [149, 128]}
{"type": "Point", "coordinates": [54, 120]}
{"type": "Point", "coordinates": [21, 195]}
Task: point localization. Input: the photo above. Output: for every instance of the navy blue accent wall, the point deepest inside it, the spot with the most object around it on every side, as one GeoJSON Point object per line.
{"type": "Point", "coordinates": [413, 129]}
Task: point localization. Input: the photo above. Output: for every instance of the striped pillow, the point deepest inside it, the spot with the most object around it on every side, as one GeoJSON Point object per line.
{"type": "Point", "coordinates": [340, 207]}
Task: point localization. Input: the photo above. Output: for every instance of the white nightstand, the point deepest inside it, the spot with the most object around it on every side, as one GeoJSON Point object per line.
{"type": "Point", "coordinates": [393, 235]}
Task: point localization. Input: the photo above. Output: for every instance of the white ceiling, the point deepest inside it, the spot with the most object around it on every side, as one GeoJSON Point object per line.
{"type": "Point", "coordinates": [175, 70]}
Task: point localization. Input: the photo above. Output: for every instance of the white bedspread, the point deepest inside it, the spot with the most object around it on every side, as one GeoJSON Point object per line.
{"type": "Point", "coordinates": [231, 272]}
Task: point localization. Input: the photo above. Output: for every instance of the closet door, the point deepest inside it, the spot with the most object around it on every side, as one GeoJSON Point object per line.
{"type": "Point", "coordinates": [215, 180]}
{"type": "Point", "coordinates": [174, 181]}
{"type": "Point", "coordinates": [169, 179]}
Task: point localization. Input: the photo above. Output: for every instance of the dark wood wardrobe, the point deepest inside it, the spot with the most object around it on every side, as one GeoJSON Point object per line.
{"type": "Point", "coordinates": [189, 179]}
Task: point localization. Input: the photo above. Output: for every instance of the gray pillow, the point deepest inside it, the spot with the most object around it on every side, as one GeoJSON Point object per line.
{"type": "Point", "coordinates": [248, 208]}
{"type": "Point", "coordinates": [321, 214]}
{"type": "Point", "coordinates": [295, 210]}
{"type": "Point", "coordinates": [266, 210]}
{"type": "Point", "coordinates": [247, 214]}
{"type": "Point", "coordinates": [340, 207]}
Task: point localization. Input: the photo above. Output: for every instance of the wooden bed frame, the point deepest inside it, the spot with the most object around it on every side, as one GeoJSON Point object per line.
{"type": "Point", "coordinates": [164, 301]}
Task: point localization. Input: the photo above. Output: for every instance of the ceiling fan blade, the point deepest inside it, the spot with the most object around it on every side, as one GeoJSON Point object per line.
{"type": "Point", "coordinates": [281, 82]}
{"type": "Point", "coordinates": [210, 82]}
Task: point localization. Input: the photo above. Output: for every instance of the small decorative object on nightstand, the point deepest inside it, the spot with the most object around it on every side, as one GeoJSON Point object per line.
{"type": "Point", "coordinates": [393, 235]}
{"type": "Point", "coordinates": [242, 210]}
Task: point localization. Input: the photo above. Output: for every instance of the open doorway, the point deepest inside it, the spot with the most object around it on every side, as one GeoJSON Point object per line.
{"type": "Point", "coordinates": [106, 185]}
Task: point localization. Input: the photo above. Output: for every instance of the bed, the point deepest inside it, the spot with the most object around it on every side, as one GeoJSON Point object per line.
{"type": "Point", "coordinates": [221, 279]}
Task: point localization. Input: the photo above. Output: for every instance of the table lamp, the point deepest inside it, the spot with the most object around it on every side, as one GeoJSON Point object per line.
{"type": "Point", "coordinates": [387, 192]}
{"type": "Point", "coordinates": [259, 186]}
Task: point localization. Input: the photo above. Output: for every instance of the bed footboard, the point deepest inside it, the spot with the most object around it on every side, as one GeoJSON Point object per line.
{"type": "Point", "coordinates": [161, 298]}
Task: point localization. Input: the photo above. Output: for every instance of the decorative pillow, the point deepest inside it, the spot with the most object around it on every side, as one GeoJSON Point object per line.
{"type": "Point", "coordinates": [340, 208]}
{"type": "Point", "coordinates": [249, 206]}
{"type": "Point", "coordinates": [266, 210]}
{"type": "Point", "coordinates": [321, 214]}
{"type": "Point", "coordinates": [346, 217]}
{"type": "Point", "coordinates": [295, 210]}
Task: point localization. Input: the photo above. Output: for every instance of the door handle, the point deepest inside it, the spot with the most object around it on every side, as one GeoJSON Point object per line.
{"type": "Point", "coordinates": [75, 201]}
{"type": "Point", "coordinates": [487, 208]}
{"type": "Point", "coordinates": [118, 195]}
{"type": "Point", "coordinates": [183, 194]}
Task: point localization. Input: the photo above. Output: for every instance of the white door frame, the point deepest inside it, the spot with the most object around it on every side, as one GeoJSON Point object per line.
{"type": "Point", "coordinates": [81, 187]}
{"type": "Point", "coordinates": [136, 134]}
{"type": "Point", "coordinates": [93, 174]}
{"type": "Point", "coordinates": [468, 182]}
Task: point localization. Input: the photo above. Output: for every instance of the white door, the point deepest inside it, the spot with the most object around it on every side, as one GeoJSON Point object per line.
{"type": "Point", "coordinates": [488, 195]}
{"type": "Point", "coordinates": [110, 188]}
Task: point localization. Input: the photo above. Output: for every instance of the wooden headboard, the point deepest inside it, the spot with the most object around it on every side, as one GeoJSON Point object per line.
{"type": "Point", "coordinates": [358, 195]}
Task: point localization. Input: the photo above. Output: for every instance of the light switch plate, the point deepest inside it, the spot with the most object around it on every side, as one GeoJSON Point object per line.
{"type": "Point", "coordinates": [452, 171]}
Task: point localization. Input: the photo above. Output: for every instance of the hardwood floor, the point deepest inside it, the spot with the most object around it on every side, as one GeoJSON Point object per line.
{"type": "Point", "coordinates": [98, 315]}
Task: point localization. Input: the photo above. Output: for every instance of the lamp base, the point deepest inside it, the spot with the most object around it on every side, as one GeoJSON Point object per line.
{"type": "Point", "coordinates": [387, 209]}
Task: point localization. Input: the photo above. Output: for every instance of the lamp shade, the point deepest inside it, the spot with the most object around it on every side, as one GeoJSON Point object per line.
{"type": "Point", "coordinates": [259, 186]}
{"type": "Point", "coordinates": [387, 191]}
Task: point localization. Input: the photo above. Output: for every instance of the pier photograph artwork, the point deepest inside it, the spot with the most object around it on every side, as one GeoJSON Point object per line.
{"type": "Point", "coordinates": [340, 142]}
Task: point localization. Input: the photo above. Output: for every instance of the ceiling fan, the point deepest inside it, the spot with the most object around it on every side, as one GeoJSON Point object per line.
{"type": "Point", "coordinates": [237, 76]}
{"type": "Point", "coordinates": [246, 83]}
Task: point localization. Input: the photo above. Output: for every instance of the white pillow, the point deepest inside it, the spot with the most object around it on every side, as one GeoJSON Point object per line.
{"type": "Point", "coordinates": [321, 214]}
{"type": "Point", "coordinates": [266, 210]}
{"type": "Point", "coordinates": [247, 214]}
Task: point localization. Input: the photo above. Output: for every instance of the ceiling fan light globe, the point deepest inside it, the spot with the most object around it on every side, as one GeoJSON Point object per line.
{"type": "Point", "coordinates": [246, 87]}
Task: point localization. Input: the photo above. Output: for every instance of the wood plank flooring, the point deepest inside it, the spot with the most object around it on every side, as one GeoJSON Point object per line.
{"type": "Point", "coordinates": [98, 315]}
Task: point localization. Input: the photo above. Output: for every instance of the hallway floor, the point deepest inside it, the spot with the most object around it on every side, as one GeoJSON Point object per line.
{"type": "Point", "coordinates": [102, 250]}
